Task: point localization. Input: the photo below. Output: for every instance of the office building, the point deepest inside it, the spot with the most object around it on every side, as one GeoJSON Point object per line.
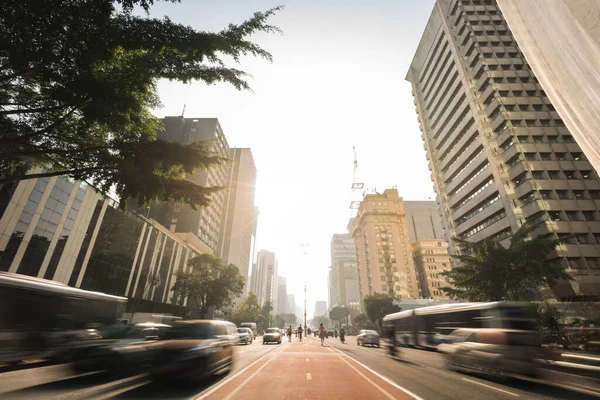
{"type": "Point", "coordinates": [238, 230]}
{"type": "Point", "coordinates": [431, 259]}
{"type": "Point", "coordinates": [291, 304]}
{"type": "Point", "coordinates": [424, 220]}
{"type": "Point", "coordinates": [320, 308]}
{"type": "Point", "coordinates": [561, 42]}
{"type": "Point", "coordinates": [343, 273]}
{"type": "Point", "coordinates": [383, 254]}
{"type": "Point", "coordinates": [64, 230]}
{"type": "Point", "coordinates": [264, 278]}
{"type": "Point", "coordinates": [498, 151]}
{"type": "Point", "coordinates": [204, 223]}
{"type": "Point", "coordinates": [282, 296]}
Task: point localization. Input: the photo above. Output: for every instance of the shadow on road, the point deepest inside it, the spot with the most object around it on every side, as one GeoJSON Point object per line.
{"type": "Point", "coordinates": [24, 366]}
{"type": "Point", "coordinates": [169, 390]}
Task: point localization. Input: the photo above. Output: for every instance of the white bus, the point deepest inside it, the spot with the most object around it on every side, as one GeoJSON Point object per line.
{"type": "Point", "coordinates": [39, 317]}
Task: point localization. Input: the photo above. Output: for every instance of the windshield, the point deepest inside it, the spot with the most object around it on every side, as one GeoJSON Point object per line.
{"type": "Point", "coordinates": [272, 330]}
{"type": "Point", "coordinates": [242, 330]}
{"type": "Point", "coordinates": [189, 331]}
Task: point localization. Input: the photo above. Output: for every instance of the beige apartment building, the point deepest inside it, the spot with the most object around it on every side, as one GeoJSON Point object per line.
{"type": "Point", "coordinates": [383, 252]}
{"type": "Point", "coordinates": [431, 259]}
{"type": "Point", "coordinates": [498, 151]}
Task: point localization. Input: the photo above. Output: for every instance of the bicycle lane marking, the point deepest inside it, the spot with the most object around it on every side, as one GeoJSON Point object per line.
{"type": "Point", "coordinates": [214, 389]}
{"type": "Point", "coordinates": [385, 379]}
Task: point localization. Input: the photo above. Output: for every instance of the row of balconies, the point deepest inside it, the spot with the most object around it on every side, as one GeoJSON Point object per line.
{"type": "Point", "coordinates": [491, 230]}
{"type": "Point", "coordinates": [449, 120]}
{"type": "Point", "coordinates": [466, 155]}
{"type": "Point", "coordinates": [450, 86]}
{"type": "Point", "coordinates": [536, 206]}
{"type": "Point", "coordinates": [474, 184]}
{"type": "Point", "coordinates": [552, 165]}
{"type": "Point", "coordinates": [479, 218]}
{"type": "Point", "coordinates": [475, 166]}
{"type": "Point", "coordinates": [452, 126]}
{"type": "Point", "coordinates": [469, 136]}
{"type": "Point", "coordinates": [444, 64]}
{"type": "Point", "coordinates": [469, 205]}
{"type": "Point", "coordinates": [563, 184]}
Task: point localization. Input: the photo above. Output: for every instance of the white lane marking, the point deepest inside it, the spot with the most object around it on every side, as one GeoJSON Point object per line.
{"type": "Point", "coordinates": [248, 379]}
{"type": "Point", "coordinates": [382, 377]}
{"type": "Point", "coordinates": [578, 389]}
{"type": "Point", "coordinates": [382, 390]}
{"type": "Point", "coordinates": [117, 392]}
{"type": "Point", "coordinates": [226, 381]}
{"type": "Point", "coordinates": [308, 376]}
{"type": "Point", "coordinates": [491, 387]}
{"type": "Point", "coordinates": [308, 359]}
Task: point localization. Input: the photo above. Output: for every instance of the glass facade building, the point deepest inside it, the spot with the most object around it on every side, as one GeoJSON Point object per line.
{"type": "Point", "coordinates": [64, 230]}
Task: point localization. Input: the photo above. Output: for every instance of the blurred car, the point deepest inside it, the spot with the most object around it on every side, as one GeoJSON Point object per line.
{"type": "Point", "coordinates": [330, 333]}
{"type": "Point", "coordinates": [245, 335]}
{"type": "Point", "coordinates": [493, 351]}
{"type": "Point", "coordinates": [367, 336]}
{"type": "Point", "coordinates": [272, 335]}
{"type": "Point", "coordinates": [193, 350]}
{"type": "Point", "coordinates": [120, 350]}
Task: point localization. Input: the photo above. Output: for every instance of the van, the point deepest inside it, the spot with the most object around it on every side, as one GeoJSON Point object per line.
{"type": "Point", "coordinates": [252, 326]}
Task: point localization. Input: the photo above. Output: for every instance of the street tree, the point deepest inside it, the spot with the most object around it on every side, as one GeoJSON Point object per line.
{"type": "Point", "coordinates": [279, 321]}
{"type": "Point", "coordinates": [339, 314]}
{"type": "Point", "coordinates": [488, 271]}
{"type": "Point", "coordinates": [78, 81]}
{"type": "Point", "coordinates": [289, 318]}
{"type": "Point", "coordinates": [209, 283]}
{"type": "Point", "coordinates": [377, 306]}
{"type": "Point", "coordinates": [361, 321]}
{"type": "Point", "coordinates": [265, 314]}
{"type": "Point", "coordinates": [248, 310]}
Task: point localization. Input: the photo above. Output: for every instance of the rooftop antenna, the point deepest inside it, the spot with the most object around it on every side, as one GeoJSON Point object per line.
{"type": "Point", "coordinates": [183, 111]}
{"type": "Point", "coordinates": [356, 185]}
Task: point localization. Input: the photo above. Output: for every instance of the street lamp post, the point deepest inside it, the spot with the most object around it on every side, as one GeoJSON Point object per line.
{"type": "Point", "coordinates": [304, 308]}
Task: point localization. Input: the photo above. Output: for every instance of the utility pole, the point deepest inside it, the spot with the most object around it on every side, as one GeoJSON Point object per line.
{"type": "Point", "coordinates": [304, 308]}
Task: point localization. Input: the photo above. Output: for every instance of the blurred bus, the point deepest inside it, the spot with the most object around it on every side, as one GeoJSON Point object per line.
{"type": "Point", "coordinates": [428, 327]}
{"type": "Point", "coordinates": [40, 318]}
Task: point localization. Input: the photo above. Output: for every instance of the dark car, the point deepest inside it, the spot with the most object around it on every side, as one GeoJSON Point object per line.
{"type": "Point", "coordinates": [121, 350]}
{"type": "Point", "coordinates": [367, 336]}
{"type": "Point", "coordinates": [330, 333]}
{"type": "Point", "coordinates": [193, 350]}
{"type": "Point", "coordinates": [272, 335]}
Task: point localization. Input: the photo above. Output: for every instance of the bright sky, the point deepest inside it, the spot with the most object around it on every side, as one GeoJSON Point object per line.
{"type": "Point", "coordinates": [337, 81]}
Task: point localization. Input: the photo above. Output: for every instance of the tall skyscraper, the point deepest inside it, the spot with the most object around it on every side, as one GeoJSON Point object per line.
{"type": "Point", "coordinates": [431, 259]}
{"type": "Point", "coordinates": [205, 223]}
{"type": "Point", "coordinates": [320, 308]}
{"type": "Point", "coordinates": [561, 41]}
{"type": "Point", "coordinates": [264, 278]}
{"type": "Point", "coordinates": [424, 220]}
{"type": "Point", "coordinates": [282, 296]}
{"type": "Point", "coordinates": [239, 214]}
{"type": "Point", "coordinates": [498, 151]}
{"type": "Point", "coordinates": [384, 257]}
{"type": "Point", "coordinates": [344, 277]}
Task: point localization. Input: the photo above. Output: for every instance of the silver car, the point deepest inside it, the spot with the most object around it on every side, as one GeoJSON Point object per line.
{"type": "Point", "coordinates": [367, 336]}
{"type": "Point", "coordinates": [493, 351]}
{"type": "Point", "coordinates": [246, 335]}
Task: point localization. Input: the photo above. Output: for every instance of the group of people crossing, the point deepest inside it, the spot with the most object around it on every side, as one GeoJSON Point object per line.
{"type": "Point", "coordinates": [322, 332]}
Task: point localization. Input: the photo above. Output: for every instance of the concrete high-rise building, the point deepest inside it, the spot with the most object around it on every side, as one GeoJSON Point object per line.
{"type": "Point", "coordinates": [291, 304]}
{"type": "Point", "coordinates": [202, 226]}
{"type": "Point", "coordinates": [282, 296]}
{"type": "Point", "coordinates": [320, 308]}
{"type": "Point", "coordinates": [498, 151]}
{"type": "Point", "coordinates": [424, 220]}
{"type": "Point", "coordinates": [264, 278]}
{"type": "Point", "coordinates": [239, 214]}
{"type": "Point", "coordinates": [343, 274]}
{"type": "Point", "coordinates": [561, 42]}
{"type": "Point", "coordinates": [431, 259]}
{"type": "Point", "coordinates": [384, 257]}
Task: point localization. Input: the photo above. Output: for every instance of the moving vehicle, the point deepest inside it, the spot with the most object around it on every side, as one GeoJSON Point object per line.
{"type": "Point", "coordinates": [193, 350]}
{"type": "Point", "coordinates": [121, 349]}
{"type": "Point", "coordinates": [369, 337]}
{"type": "Point", "coordinates": [272, 335]}
{"type": "Point", "coordinates": [428, 327]}
{"type": "Point", "coordinates": [252, 326]}
{"type": "Point", "coordinates": [493, 351]}
{"type": "Point", "coordinates": [330, 333]}
{"type": "Point", "coordinates": [40, 318]}
{"type": "Point", "coordinates": [245, 336]}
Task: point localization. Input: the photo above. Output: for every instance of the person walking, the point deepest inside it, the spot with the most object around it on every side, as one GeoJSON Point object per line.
{"type": "Point", "coordinates": [289, 334]}
{"type": "Point", "coordinates": [300, 332]}
{"type": "Point", "coordinates": [322, 333]}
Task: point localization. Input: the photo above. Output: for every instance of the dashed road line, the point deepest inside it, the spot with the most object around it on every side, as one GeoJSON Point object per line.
{"type": "Point", "coordinates": [308, 359]}
{"type": "Point", "coordinates": [308, 376]}
{"type": "Point", "coordinates": [491, 387]}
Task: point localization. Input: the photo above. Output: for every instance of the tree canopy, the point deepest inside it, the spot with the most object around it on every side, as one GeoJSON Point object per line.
{"type": "Point", "coordinates": [377, 306]}
{"type": "Point", "coordinates": [339, 314]}
{"type": "Point", "coordinates": [248, 311]}
{"type": "Point", "coordinates": [208, 284]}
{"type": "Point", "coordinates": [488, 271]}
{"type": "Point", "coordinates": [78, 83]}
{"type": "Point", "coordinates": [265, 314]}
{"type": "Point", "coordinates": [361, 321]}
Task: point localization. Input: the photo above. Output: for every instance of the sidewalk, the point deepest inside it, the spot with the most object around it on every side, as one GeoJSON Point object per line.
{"type": "Point", "coordinates": [306, 370]}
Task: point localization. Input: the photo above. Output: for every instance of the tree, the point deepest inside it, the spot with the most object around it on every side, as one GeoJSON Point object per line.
{"type": "Point", "coordinates": [489, 271]}
{"type": "Point", "coordinates": [321, 319]}
{"type": "Point", "coordinates": [209, 283]}
{"type": "Point", "coordinates": [265, 314]}
{"type": "Point", "coordinates": [339, 314]}
{"type": "Point", "coordinates": [377, 306]}
{"type": "Point", "coordinates": [77, 83]}
{"type": "Point", "coordinates": [361, 321]}
{"type": "Point", "coordinates": [288, 318]}
{"type": "Point", "coordinates": [279, 321]}
{"type": "Point", "coordinates": [248, 311]}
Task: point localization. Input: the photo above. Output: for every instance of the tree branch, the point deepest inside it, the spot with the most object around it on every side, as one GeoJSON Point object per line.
{"type": "Point", "coordinates": [18, 178]}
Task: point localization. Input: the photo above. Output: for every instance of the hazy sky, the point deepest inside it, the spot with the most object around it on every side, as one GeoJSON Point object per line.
{"type": "Point", "coordinates": [337, 81]}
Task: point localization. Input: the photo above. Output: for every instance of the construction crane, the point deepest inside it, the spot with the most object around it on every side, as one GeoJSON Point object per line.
{"type": "Point", "coordinates": [356, 185]}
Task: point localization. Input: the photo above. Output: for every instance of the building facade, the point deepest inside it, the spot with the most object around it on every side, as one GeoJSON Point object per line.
{"type": "Point", "coordinates": [498, 151]}
{"type": "Point", "coordinates": [431, 259]}
{"type": "Point", "coordinates": [282, 296]}
{"type": "Point", "coordinates": [383, 253]}
{"type": "Point", "coordinates": [206, 223]}
{"type": "Point", "coordinates": [561, 41]}
{"type": "Point", "coordinates": [238, 229]}
{"type": "Point", "coordinates": [344, 277]}
{"type": "Point", "coordinates": [264, 278]}
{"type": "Point", "coordinates": [320, 308]}
{"type": "Point", "coordinates": [424, 220]}
{"type": "Point", "coordinates": [64, 230]}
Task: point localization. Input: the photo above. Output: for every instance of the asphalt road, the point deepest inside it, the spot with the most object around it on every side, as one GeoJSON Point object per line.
{"type": "Point", "coordinates": [300, 371]}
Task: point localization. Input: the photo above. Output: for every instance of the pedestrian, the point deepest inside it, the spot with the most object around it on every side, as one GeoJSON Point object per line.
{"type": "Point", "coordinates": [300, 332]}
{"type": "Point", "coordinates": [322, 333]}
{"type": "Point", "coordinates": [289, 333]}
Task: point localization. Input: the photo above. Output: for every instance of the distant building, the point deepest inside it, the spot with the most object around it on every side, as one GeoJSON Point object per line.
{"type": "Point", "coordinates": [238, 232]}
{"type": "Point", "coordinates": [431, 259]}
{"type": "Point", "coordinates": [343, 275]}
{"type": "Point", "coordinates": [291, 304]}
{"type": "Point", "coordinates": [384, 258]}
{"type": "Point", "coordinates": [424, 220]}
{"type": "Point", "coordinates": [282, 296]}
{"type": "Point", "coordinates": [320, 308]}
{"type": "Point", "coordinates": [264, 278]}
